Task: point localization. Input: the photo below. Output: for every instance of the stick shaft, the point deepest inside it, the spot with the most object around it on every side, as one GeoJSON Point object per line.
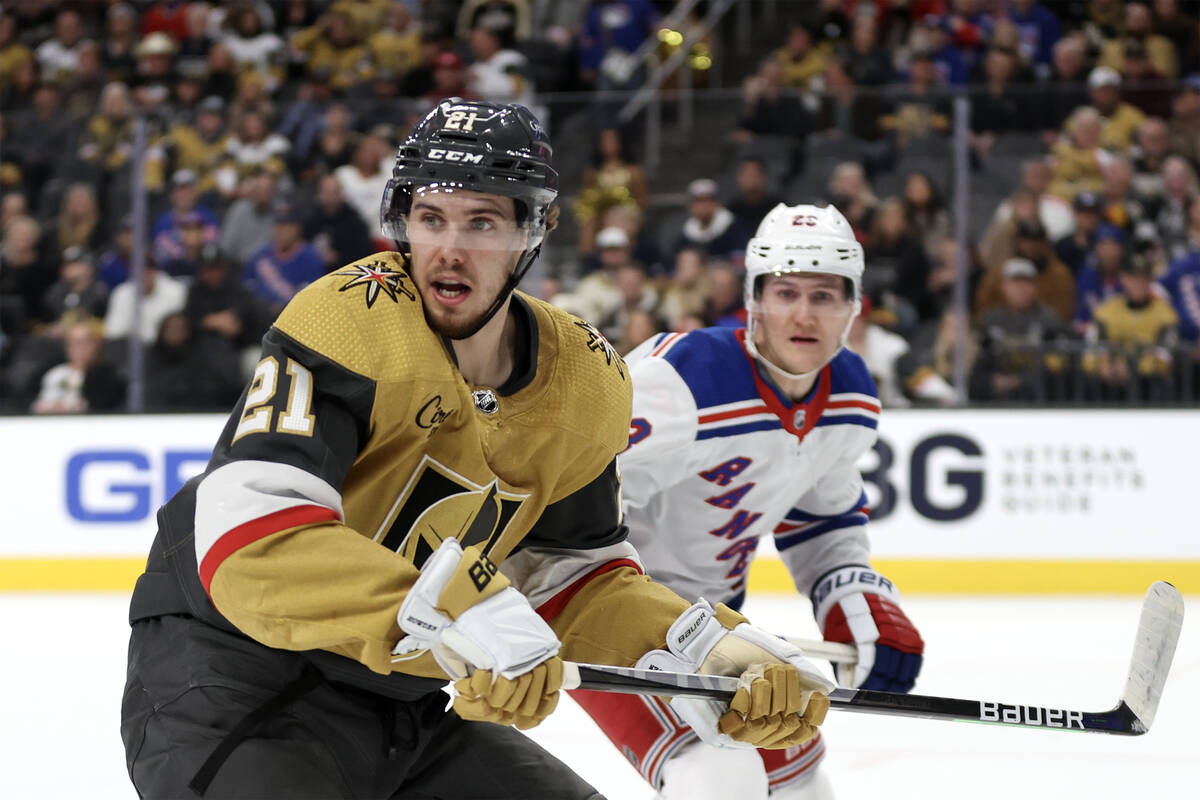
{"type": "Point", "coordinates": [1119, 720]}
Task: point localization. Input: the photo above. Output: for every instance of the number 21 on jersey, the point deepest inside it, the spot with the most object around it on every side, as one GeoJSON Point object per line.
{"type": "Point", "coordinates": [261, 410]}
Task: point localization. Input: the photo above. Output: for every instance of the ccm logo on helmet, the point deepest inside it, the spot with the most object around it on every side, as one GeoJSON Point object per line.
{"type": "Point", "coordinates": [805, 219]}
{"type": "Point", "coordinates": [454, 155]}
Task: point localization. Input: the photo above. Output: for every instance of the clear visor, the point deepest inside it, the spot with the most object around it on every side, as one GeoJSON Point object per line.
{"type": "Point", "coordinates": [826, 297]}
{"type": "Point", "coordinates": [447, 215]}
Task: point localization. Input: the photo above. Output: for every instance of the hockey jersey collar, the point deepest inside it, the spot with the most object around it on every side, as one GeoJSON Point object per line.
{"type": "Point", "coordinates": [796, 418]}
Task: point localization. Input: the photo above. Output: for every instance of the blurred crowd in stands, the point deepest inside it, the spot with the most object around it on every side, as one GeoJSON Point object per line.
{"type": "Point", "coordinates": [271, 127]}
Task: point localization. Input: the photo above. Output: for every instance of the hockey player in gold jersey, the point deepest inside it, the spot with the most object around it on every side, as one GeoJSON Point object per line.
{"type": "Point", "coordinates": [419, 485]}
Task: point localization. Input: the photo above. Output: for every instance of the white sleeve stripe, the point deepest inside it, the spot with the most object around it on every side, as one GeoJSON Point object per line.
{"type": "Point", "coordinates": [727, 407]}
{"type": "Point", "coordinates": [851, 411]}
{"type": "Point", "coordinates": [846, 397]}
{"type": "Point", "coordinates": [540, 573]}
{"type": "Point", "coordinates": [243, 491]}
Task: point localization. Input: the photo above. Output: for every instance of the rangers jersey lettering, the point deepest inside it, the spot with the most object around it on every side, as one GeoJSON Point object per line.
{"type": "Point", "coordinates": [717, 459]}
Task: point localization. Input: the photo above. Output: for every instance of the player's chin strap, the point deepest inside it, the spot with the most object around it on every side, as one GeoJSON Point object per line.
{"type": "Point", "coordinates": [780, 371]}
{"type": "Point", "coordinates": [523, 264]}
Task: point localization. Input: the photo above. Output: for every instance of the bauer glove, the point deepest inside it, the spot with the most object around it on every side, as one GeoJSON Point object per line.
{"type": "Point", "coordinates": [781, 697]}
{"type": "Point", "coordinates": [502, 656]}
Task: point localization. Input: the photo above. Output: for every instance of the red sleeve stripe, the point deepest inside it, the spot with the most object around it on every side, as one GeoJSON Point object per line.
{"type": "Point", "coordinates": [741, 412]}
{"type": "Point", "coordinates": [248, 532]}
{"type": "Point", "coordinates": [666, 343]}
{"type": "Point", "coordinates": [555, 605]}
{"type": "Point", "coordinates": [855, 404]}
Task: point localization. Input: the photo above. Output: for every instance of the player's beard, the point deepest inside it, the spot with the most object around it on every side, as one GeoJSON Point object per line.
{"type": "Point", "coordinates": [462, 328]}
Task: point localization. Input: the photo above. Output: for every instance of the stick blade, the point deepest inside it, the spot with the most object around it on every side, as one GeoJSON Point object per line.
{"type": "Point", "coordinates": [1153, 650]}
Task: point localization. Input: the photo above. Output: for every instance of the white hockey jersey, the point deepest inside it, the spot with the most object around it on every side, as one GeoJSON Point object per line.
{"type": "Point", "coordinates": [717, 459]}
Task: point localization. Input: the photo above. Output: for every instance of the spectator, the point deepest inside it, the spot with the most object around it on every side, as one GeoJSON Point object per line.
{"type": "Point", "coordinates": [635, 295]}
{"type": "Point", "coordinates": [998, 108]}
{"type": "Point", "coordinates": [1064, 91]}
{"type": "Point", "coordinates": [1135, 331]}
{"type": "Point", "coordinates": [182, 374]}
{"type": "Point", "coordinates": [161, 295]}
{"type": "Point", "coordinates": [194, 235]}
{"type": "Point", "coordinates": [686, 294]}
{"type": "Point", "coordinates": [498, 74]}
{"type": "Point", "coordinates": [613, 30]}
{"type": "Point", "coordinates": [925, 213]}
{"type": "Point", "coordinates": [1185, 119]}
{"type": "Point", "coordinates": [725, 306]}
{"type": "Point", "coordinates": [156, 72]}
{"type": "Point", "coordinates": [335, 228]}
{"type": "Point", "coordinates": [193, 48]}
{"type": "Point", "coordinates": [198, 145]}
{"type": "Point", "coordinates": [639, 327]}
{"type": "Point", "coordinates": [710, 225]}
{"type": "Point", "coordinates": [1100, 277]}
{"type": "Point", "coordinates": [39, 138]}
{"type": "Point", "coordinates": [1138, 26]}
{"type": "Point", "coordinates": [113, 267]}
{"type": "Point", "coordinates": [800, 58]}
{"type": "Point", "coordinates": [613, 178]}
{"type": "Point", "coordinates": [596, 296]}
{"type": "Point", "coordinates": [25, 277]}
{"type": "Point", "coordinates": [221, 308]}
{"type": "Point", "coordinates": [397, 48]}
{"type": "Point", "coordinates": [252, 147]}
{"type": "Point", "coordinates": [1012, 364]}
{"type": "Point", "coordinates": [1122, 206]}
{"type": "Point", "coordinates": [1078, 158]}
{"type": "Point", "coordinates": [251, 46]}
{"type": "Point", "coordinates": [107, 140]}
{"type": "Point", "coordinates": [18, 96]}
{"type": "Point", "coordinates": [286, 264]}
{"type": "Point", "coordinates": [1149, 157]}
{"type": "Point", "coordinates": [221, 78]}
{"type": "Point", "coordinates": [1118, 119]}
{"type": "Point", "coordinates": [511, 19]}
{"type": "Point", "coordinates": [899, 266]}
{"type": "Point", "coordinates": [78, 221]}
{"type": "Point", "coordinates": [448, 78]}
{"type": "Point", "coordinates": [1054, 285]}
{"type": "Point", "coordinates": [1171, 214]}
{"type": "Point", "coordinates": [1039, 33]}
{"type": "Point", "coordinates": [168, 17]}
{"type": "Point", "coordinates": [246, 227]}
{"type": "Point", "coordinates": [867, 59]}
{"type": "Point", "coordinates": [364, 179]}
{"type": "Point", "coordinates": [13, 52]}
{"type": "Point", "coordinates": [921, 109]}
{"type": "Point", "coordinates": [753, 198]}
{"type": "Point", "coordinates": [645, 248]}
{"type": "Point", "coordinates": [78, 290]}
{"type": "Point", "coordinates": [58, 57]}
{"type": "Point", "coordinates": [1182, 286]}
{"type": "Point", "coordinates": [891, 362]}
{"type": "Point", "coordinates": [120, 41]}
{"type": "Point", "coordinates": [948, 53]}
{"type": "Point", "coordinates": [768, 108]}
{"type": "Point", "coordinates": [844, 111]}
{"type": "Point", "coordinates": [1144, 87]}
{"type": "Point", "coordinates": [851, 194]}
{"type": "Point", "coordinates": [167, 234]}
{"type": "Point", "coordinates": [332, 47]}
{"type": "Point", "coordinates": [1074, 248]}
{"type": "Point", "coordinates": [86, 381]}
{"type": "Point", "coordinates": [1180, 28]}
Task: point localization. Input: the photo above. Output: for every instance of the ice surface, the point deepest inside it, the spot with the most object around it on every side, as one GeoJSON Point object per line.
{"type": "Point", "coordinates": [64, 663]}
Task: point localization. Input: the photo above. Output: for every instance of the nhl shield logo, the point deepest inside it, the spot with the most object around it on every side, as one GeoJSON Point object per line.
{"type": "Point", "coordinates": [485, 401]}
{"type": "Point", "coordinates": [798, 418]}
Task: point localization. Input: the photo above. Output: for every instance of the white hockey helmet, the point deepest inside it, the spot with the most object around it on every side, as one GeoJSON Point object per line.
{"type": "Point", "coordinates": [804, 238]}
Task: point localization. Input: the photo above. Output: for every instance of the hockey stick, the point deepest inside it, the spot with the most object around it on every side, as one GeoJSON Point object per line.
{"type": "Point", "coordinates": [833, 652]}
{"type": "Point", "coordinates": [1154, 647]}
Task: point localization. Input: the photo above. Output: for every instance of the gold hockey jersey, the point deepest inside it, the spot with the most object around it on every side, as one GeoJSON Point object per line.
{"type": "Point", "coordinates": [358, 447]}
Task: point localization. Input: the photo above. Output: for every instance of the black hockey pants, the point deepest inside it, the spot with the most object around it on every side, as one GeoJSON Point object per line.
{"type": "Point", "coordinates": [209, 714]}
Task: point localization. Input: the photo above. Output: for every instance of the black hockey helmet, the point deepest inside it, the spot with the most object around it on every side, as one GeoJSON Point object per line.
{"type": "Point", "coordinates": [485, 147]}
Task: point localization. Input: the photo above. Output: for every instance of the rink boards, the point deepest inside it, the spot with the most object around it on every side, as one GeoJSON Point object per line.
{"type": "Point", "coordinates": [988, 502]}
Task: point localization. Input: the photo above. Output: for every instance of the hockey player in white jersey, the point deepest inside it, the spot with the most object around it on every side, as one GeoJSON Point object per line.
{"type": "Point", "coordinates": [741, 434]}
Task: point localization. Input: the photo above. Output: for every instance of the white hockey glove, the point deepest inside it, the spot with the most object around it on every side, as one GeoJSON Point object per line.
{"type": "Point", "coordinates": [856, 605]}
{"type": "Point", "coordinates": [781, 698]}
{"type": "Point", "coordinates": [485, 635]}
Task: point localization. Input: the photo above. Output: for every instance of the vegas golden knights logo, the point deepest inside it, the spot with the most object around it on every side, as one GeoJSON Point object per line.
{"type": "Point", "coordinates": [439, 504]}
